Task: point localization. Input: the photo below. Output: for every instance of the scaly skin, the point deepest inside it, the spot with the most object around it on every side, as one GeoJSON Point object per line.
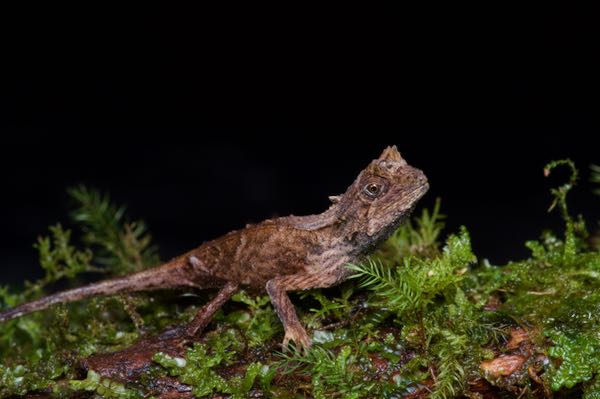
{"type": "Point", "coordinates": [280, 255]}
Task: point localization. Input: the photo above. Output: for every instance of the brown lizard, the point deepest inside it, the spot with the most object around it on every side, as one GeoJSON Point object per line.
{"type": "Point", "coordinates": [282, 254]}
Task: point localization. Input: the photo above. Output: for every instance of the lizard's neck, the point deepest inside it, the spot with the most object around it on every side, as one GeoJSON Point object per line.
{"type": "Point", "coordinates": [346, 226]}
{"type": "Point", "coordinates": [352, 229]}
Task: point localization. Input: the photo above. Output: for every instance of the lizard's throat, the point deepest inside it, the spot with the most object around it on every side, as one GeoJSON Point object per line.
{"type": "Point", "coordinates": [364, 243]}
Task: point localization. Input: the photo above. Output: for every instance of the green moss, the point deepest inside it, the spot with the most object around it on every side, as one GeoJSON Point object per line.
{"type": "Point", "coordinates": [332, 374]}
{"type": "Point", "coordinates": [196, 370]}
{"type": "Point", "coordinates": [199, 370]}
{"type": "Point", "coordinates": [259, 321]}
{"type": "Point", "coordinates": [437, 319]}
{"type": "Point", "coordinates": [120, 245]}
{"type": "Point", "coordinates": [592, 389]}
{"type": "Point", "coordinates": [580, 358]}
{"type": "Point", "coordinates": [101, 386]}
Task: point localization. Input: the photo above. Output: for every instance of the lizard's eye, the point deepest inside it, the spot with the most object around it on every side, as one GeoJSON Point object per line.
{"type": "Point", "coordinates": [373, 189]}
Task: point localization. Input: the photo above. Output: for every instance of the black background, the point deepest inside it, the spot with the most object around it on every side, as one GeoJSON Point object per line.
{"type": "Point", "coordinates": [202, 122]}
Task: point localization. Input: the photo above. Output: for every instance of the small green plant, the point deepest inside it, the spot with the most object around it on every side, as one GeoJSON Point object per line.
{"type": "Point", "coordinates": [120, 245]}
{"type": "Point", "coordinates": [195, 370]}
{"type": "Point", "coordinates": [198, 370]}
{"type": "Point", "coordinates": [259, 321]}
{"type": "Point", "coordinates": [580, 356]}
{"type": "Point", "coordinates": [331, 375]}
{"type": "Point", "coordinates": [411, 286]}
{"type": "Point", "coordinates": [338, 308]}
{"type": "Point", "coordinates": [102, 386]}
{"type": "Point", "coordinates": [419, 236]}
{"type": "Point", "coordinates": [426, 297]}
{"type": "Point", "coordinates": [59, 259]}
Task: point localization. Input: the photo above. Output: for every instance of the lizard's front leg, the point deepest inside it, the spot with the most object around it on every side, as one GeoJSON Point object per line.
{"type": "Point", "coordinates": [277, 289]}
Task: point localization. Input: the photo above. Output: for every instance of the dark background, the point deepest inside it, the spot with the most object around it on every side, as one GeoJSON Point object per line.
{"type": "Point", "coordinates": [162, 109]}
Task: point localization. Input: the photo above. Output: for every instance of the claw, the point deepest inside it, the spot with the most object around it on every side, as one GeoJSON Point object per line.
{"type": "Point", "coordinates": [299, 337]}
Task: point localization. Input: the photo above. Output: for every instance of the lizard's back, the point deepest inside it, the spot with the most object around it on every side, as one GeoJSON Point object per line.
{"type": "Point", "coordinates": [257, 253]}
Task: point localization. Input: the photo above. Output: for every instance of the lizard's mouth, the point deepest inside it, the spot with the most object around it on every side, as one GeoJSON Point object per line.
{"type": "Point", "coordinates": [412, 197]}
{"type": "Point", "coordinates": [419, 191]}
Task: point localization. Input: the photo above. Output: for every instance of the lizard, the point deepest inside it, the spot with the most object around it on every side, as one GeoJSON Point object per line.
{"type": "Point", "coordinates": [278, 255]}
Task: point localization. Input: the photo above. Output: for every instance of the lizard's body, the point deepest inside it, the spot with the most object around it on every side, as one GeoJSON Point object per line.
{"type": "Point", "coordinates": [282, 254]}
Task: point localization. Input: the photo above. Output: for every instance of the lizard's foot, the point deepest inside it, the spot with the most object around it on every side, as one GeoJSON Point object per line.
{"type": "Point", "coordinates": [299, 336]}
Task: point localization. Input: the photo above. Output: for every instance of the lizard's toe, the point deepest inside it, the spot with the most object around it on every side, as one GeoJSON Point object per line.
{"type": "Point", "coordinates": [299, 337]}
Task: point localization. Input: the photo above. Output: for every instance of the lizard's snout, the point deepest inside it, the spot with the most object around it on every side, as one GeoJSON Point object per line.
{"type": "Point", "coordinates": [416, 177]}
{"type": "Point", "coordinates": [420, 177]}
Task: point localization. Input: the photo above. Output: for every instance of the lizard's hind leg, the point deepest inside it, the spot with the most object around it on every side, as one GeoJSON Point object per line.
{"type": "Point", "coordinates": [127, 364]}
{"type": "Point", "coordinates": [207, 311]}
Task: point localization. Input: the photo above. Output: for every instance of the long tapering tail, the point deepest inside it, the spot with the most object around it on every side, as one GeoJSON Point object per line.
{"type": "Point", "coordinates": [167, 276]}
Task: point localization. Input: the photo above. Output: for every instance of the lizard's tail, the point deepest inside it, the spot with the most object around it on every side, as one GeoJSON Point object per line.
{"type": "Point", "coordinates": [169, 275]}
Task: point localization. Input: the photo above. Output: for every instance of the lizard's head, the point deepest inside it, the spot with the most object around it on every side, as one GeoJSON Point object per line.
{"type": "Point", "coordinates": [384, 194]}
